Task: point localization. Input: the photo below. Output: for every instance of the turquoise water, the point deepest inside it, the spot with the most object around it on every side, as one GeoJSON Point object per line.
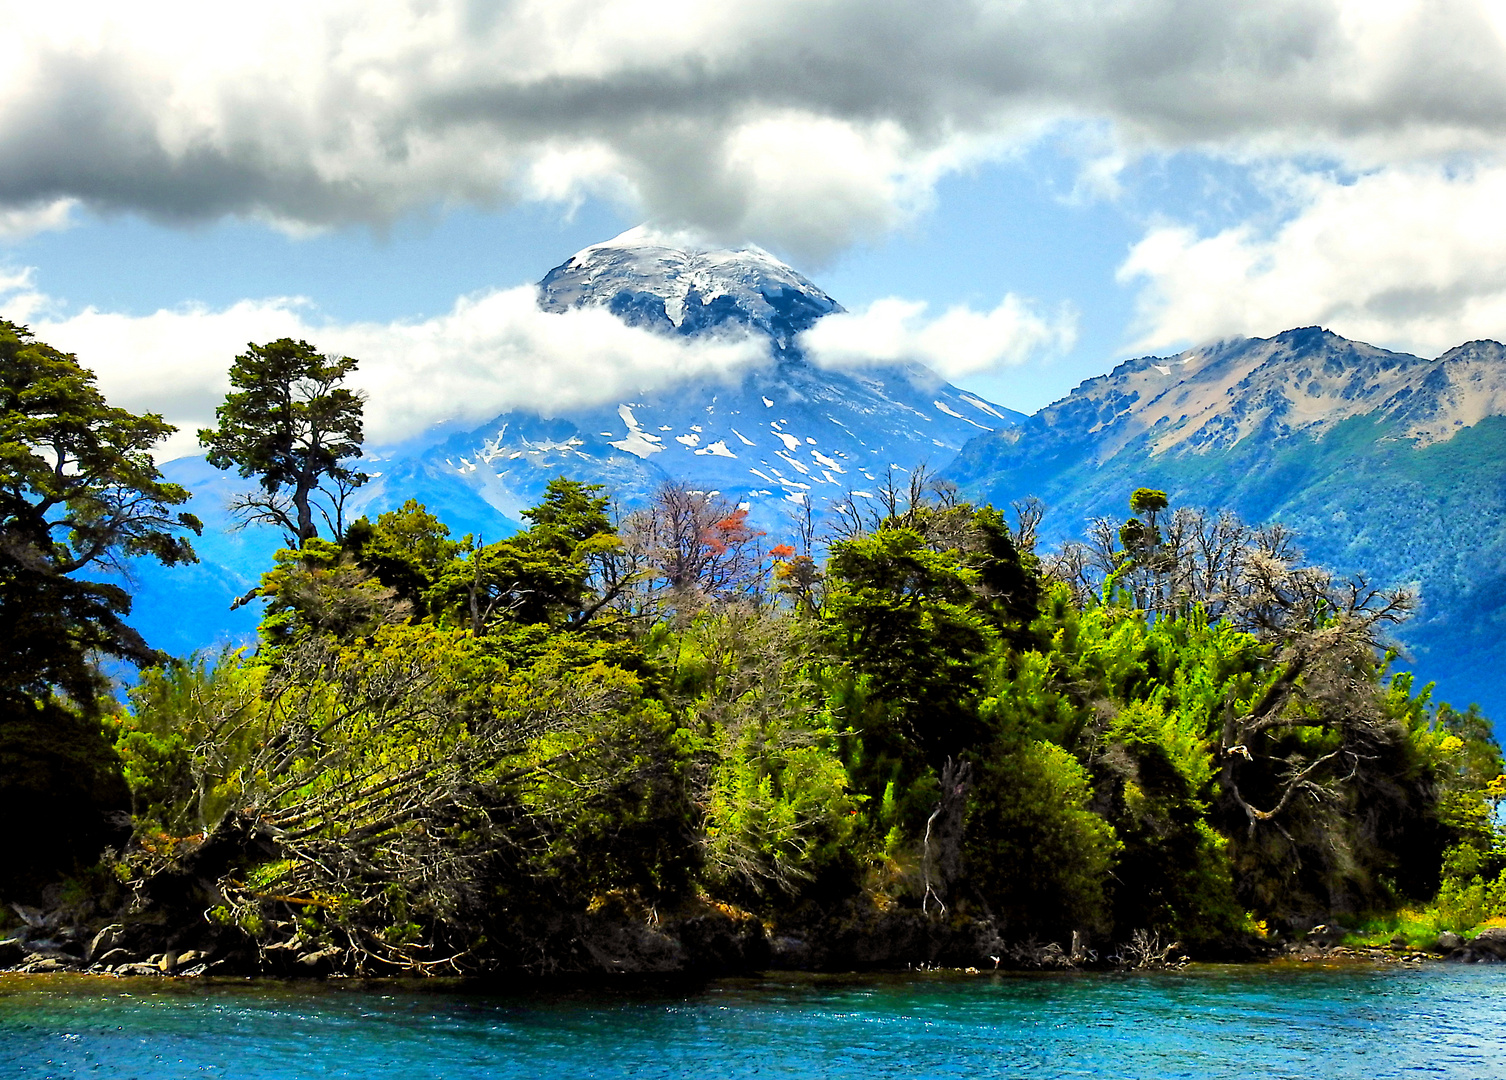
{"type": "Point", "coordinates": [1440, 1021]}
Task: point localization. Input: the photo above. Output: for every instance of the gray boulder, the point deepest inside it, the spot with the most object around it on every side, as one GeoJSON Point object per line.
{"type": "Point", "coordinates": [104, 941]}
{"type": "Point", "coordinates": [1491, 940]}
{"type": "Point", "coordinates": [1327, 934]}
{"type": "Point", "coordinates": [138, 969]}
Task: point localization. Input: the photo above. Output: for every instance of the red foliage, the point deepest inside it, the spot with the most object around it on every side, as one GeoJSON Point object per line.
{"type": "Point", "coordinates": [731, 530]}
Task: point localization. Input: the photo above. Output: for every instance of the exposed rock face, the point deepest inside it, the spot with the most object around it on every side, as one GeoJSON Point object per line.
{"type": "Point", "coordinates": [1305, 381]}
{"type": "Point", "coordinates": [104, 943]}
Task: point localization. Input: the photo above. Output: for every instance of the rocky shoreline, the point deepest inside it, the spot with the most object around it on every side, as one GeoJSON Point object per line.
{"type": "Point", "coordinates": [1488, 947]}
{"type": "Point", "coordinates": [708, 941]}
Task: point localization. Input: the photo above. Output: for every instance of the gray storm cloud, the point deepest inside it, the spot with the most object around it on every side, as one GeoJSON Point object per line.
{"type": "Point", "coordinates": [806, 125]}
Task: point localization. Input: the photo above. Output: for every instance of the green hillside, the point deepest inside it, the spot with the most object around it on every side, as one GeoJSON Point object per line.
{"type": "Point", "coordinates": [1361, 497]}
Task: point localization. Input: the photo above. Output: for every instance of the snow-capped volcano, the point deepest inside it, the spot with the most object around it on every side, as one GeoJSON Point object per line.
{"type": "Point", "coordinates": [671, 282]}
{"type": "Point", "coordinates": [787, 430]}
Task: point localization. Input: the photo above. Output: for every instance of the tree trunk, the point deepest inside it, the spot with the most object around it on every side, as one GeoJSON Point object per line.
{"type": "Point", "coordinates": [306, 528]}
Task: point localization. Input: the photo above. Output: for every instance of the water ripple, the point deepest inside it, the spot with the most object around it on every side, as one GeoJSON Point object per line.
{"type": "Point", "coordinates": [1202, 1024]}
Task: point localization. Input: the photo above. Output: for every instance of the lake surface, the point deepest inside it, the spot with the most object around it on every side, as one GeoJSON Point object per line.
{"type": "Point", "coordinates": [1317, 1024]}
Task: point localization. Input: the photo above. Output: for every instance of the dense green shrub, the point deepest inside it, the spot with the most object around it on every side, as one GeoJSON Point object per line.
{"type": "Point", "coordinates": [447, 745]}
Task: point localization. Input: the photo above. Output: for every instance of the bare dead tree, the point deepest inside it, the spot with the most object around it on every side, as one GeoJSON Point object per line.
{"type": "Point", "coordinates": [1086, 565]}
{"type": "Point", "coordinates": [622, 575]}
{"type": "Point", "coordinates": [336, 493]}
{"type": "Point", "coordinates": [803, 519]}
{"type": "Point", "coordinates": [1326, 638]}
{"type": "Point", "coordinates": [850, 517]}
{"type": "Point", "coordinates": [918, 500]}
{"type": "Point", "coordinates": [890, 492]}
{"type": "Point", "coordinates": [1251, 576]}
{"type": "Point", "coordinates": [1072, 564]}
{"type": "Point", "coordinates": [1028, 513]}
{"type": "Point", "coordinates": [899, 499]}
{"type": "Point", "coordinates": [481, 606]}
{"type": "Point", "coordinates": [690, 547]}
{"type": "Point", "coordinates": [941, 847]}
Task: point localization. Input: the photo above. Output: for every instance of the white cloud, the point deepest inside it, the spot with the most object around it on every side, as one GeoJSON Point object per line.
{"type": "Point", "coordinates": [20, 295]}
{"type": "Point", "coordinates": [489, 353]}
{"type": "Point", "coordinates": [172, 362]}
{"type": "Point", "coordinates": [1409, 258]}
{"type": "Point", "coordinates": [498, 351]}
{"type": "Point", "coordinates": [804, 124]}
{"type": "Point", "coordinates": [957, 343]}
{"type": "Point", "coordinates": [20, 222]}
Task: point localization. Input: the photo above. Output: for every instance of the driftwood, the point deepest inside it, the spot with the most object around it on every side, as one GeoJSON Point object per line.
{"type": "Point", "coordinates": [1145, 951]}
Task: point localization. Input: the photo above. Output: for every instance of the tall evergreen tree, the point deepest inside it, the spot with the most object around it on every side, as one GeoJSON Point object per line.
{"type": "Point", "coordinates": [79, 492]}
{"type": "Point", "coordinates": [291, 423]}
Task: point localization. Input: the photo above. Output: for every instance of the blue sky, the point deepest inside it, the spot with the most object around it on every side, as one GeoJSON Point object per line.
{"type": "Point", "coordinates": [999, 228]}
{"type": "Point", "coordinates": [1018, 195]}
{"type": "Point", "coordinates": [1021, 225]}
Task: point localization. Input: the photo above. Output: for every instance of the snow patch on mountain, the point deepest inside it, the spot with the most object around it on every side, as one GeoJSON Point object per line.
{"type": "Point", "coordinates": [717, 449]}
{"type": "Point", "coordinates": [639, 443]}
{"type": "Point", "coordinates": [944, 407]}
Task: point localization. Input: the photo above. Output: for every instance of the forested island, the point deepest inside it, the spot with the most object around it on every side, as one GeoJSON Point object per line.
{"type": "Point", "coordinates": [669, 739]}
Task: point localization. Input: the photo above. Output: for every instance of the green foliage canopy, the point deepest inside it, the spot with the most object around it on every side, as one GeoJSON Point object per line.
{"type": "Point", "coordinates": [457, 751]}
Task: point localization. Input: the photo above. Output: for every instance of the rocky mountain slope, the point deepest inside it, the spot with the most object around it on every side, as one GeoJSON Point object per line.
{"type": "Point", "coordinates": [1381, 461]}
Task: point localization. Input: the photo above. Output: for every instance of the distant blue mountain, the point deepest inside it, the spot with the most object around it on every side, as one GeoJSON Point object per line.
{"type": "Point", "coordinates": [780, 434]}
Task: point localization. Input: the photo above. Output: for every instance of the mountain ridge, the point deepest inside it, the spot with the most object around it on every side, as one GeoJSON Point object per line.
{"type": "Point", "coordinates": [1383, 463]}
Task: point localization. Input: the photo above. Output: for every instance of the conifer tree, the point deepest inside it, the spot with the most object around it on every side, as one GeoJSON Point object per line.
{"type": "Point", "coordinates": [291, 423]}
{"type": "Point", "coordinates": [79, 494]}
